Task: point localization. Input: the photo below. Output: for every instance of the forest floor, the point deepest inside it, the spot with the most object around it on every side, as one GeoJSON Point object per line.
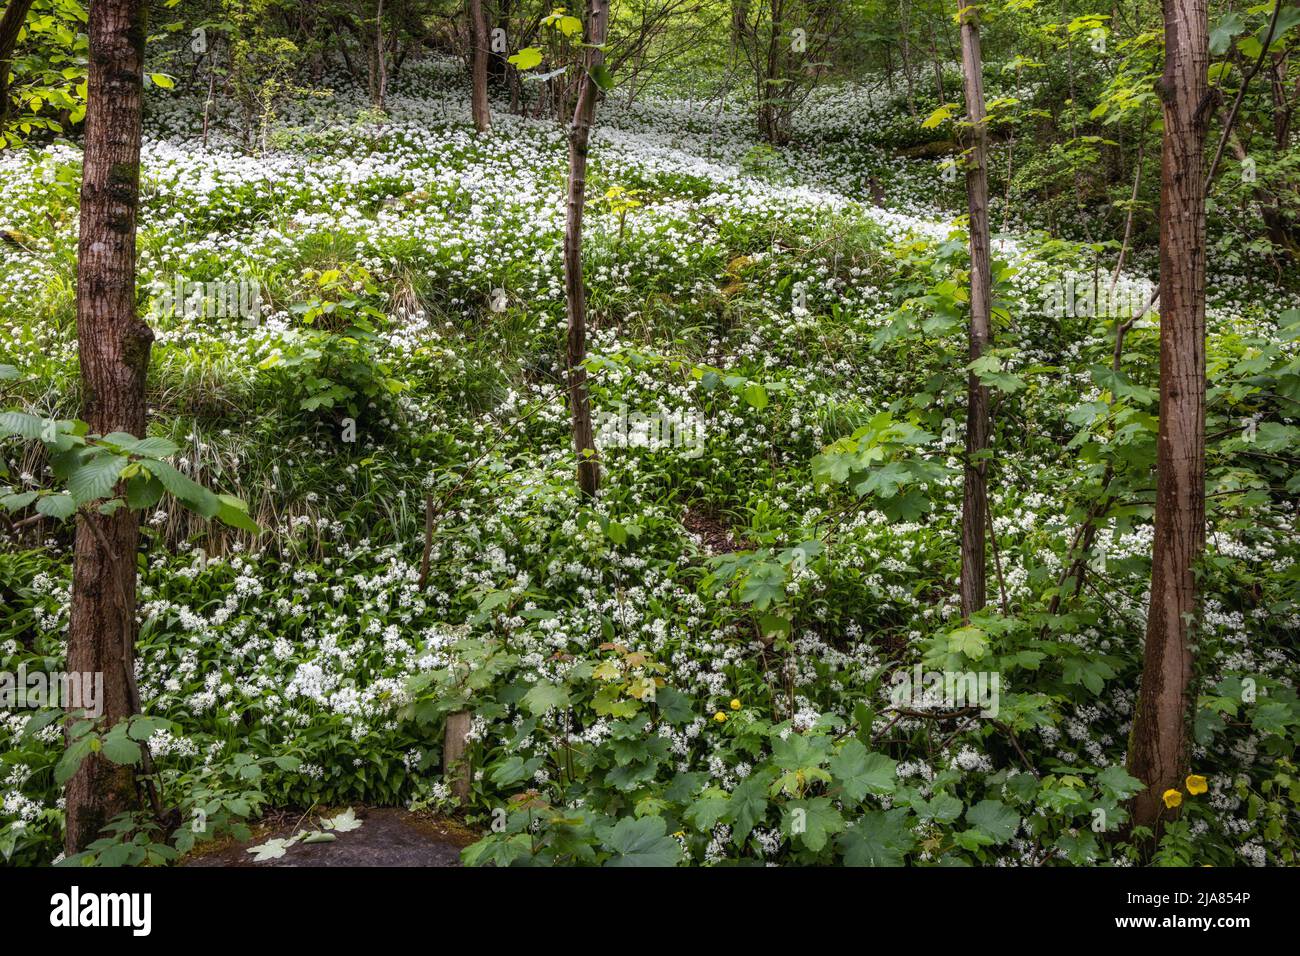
{"type": "Point", "coordinates": [388, 836]}
{"type": "Point", "coordinates": [701, 665]}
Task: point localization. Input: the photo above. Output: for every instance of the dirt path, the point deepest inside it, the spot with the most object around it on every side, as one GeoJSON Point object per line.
{"type": "Point", "coordinates": [387, 837]}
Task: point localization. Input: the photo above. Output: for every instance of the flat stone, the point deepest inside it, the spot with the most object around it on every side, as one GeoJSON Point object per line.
{"type": "Point", "coordinates": [388, 836]}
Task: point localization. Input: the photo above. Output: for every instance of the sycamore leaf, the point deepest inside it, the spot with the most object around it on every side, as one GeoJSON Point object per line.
{"type": "Point", "coordinates": [526, 59]}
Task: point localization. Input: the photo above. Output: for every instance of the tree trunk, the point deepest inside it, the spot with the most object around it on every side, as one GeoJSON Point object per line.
{"type": "Point", "coordinates": [974, 494]}
{"type": "Point", "coordinates": [455, 766]}
{"type": "Point", "coordinates": [1158, 744]}
{"type": "Point", "coordinates": [584, 441]}
{"type": "Point", "coordinates": [381, 59]}
{"type": "Point", "coordinates": [903, 28]}
{"type": "Point", "coordinates": [114, 349]}
{"type": "Point", "coordinates": [479, 66]}
{"type": "Point", "coordinates": [10, 24]}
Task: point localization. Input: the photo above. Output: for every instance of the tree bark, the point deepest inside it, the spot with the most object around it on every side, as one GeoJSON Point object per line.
{"type": "Point", "coordinates": [1158, 743]}
{"type": "Point", "coordinates": [10, 24]}
{"type": "Point", "coordinates": [974, 493]}
{"type": "Point", "coordinates": [584, 441]}
{"type": "Point", "coordinates": [114, 349]}
{"type": "Point", "coordinates": [479, 67]}
{"type": "Point", "coordinates": [381, 58]}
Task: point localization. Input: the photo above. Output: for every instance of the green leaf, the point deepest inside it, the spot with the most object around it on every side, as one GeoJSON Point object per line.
{"type": "Point", "coordinates": [938, 116]}
{"type": "Point", "coordinates": [642, 842]}
{"type": "Point", "coordinates": [812, 822]}
{"type": "Point", "coordinates": [57, 506]}
{"type": "Point", "coordinates": [1229, 26]}
{"type": "Point", "coordinates": [143, 491]}
{"type": "Point", "coordinates": [878, 838]}
{"type": "Point", "coordinates": [748, 804]}
{"type": "Point", "coordinates": [994, 819]}
{"type": "Point", "coordinates": [18, 500]}
{"type": "Point", "coordinates": [708, 811]}
{"type": "Point", "coordinates": [545, 697]}
{"type": "Point", "coordinates": [601, 76]}
{"type": "Point", "coordinates": [1118, 781]}
{"type": "Point", "coordinates": [526, 59]}
{"type": "Point", "coordinates": [859, 772]}
{"type": "Point", "coordinates": [95, 477]}
{"type": "Point", "coordinates": [80, 749]}
{"type": "Point", "coordinates": [186, 490]}
{"type": "Point", "coordinates": [755, 394]}
{"type": "Point", "coordinates": [162, 80]}
{"type": "Point", "coordinates": [120, 748]}
{"type": "Point", "coordinates": [968, 640]}
{"type": "Point", "coordinates": [21, 424]}
{"type": "Point", "coordinates": [234, 512]}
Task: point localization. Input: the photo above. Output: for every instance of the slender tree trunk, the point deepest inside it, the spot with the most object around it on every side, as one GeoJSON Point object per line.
{"type": "Point", "coordinates": [937, 63]}
{"type": "Point", "coordinates": [1158, 745]}
{"type": "Point", "coordinates": [10, 24]}
{"type": "Point", "coordinates": [114, 349]}
{"type": "Point", "coordinates": [903, 29]}
{"type": "Point", "coordinates": [479, 66]}
{"type": "Point", "coordinates": [381, 58]}
{"type": "Point", "coordinates": [975, 493]}
{"type": "Point", "coordinates": [584, 441]}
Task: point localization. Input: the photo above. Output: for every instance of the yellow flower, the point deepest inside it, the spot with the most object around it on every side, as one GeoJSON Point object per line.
{"type": "Point", "coordinates": [1196, 784]}
{"type": "Point", "coordinates": [735, 704]}
{"type": "Point", "coordinates": [1172, 798]}
{"type": "Point", "coordinates": [720, 717]}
